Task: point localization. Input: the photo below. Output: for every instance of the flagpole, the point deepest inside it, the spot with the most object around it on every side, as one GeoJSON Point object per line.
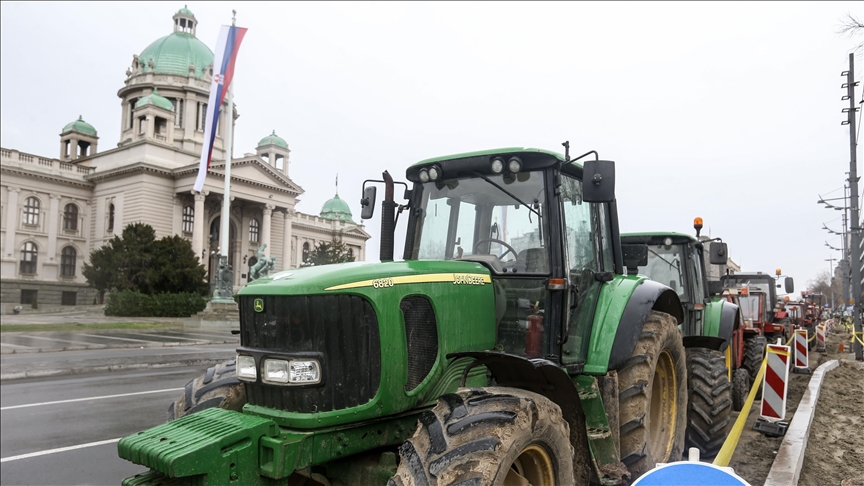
{"type": "Point", "coordinates": [226, 203]}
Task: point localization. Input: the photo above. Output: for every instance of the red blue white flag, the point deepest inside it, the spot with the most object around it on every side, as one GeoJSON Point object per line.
{"type": "Point", "coordinates": [227, 46]}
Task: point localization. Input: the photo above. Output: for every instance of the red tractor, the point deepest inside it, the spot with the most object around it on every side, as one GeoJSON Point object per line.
{"type": "Point", "coordinates": [747, 349]}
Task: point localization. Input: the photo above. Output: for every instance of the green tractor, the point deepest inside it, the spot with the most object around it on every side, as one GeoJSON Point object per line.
{"type": "Point", "coordinates": [507, 346]}
{"type": "Point", "coordinates": [678, 260]}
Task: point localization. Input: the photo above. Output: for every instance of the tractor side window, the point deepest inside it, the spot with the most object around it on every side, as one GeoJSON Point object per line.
{"type": "Point", "coordinates": [697, 276]}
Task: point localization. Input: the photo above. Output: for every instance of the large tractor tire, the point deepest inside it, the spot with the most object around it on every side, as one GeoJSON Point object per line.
{"type": "Point", "coordinates": [754, 353]}
{"type": "Point", "coordinates": [217, 387]}
{"type": "Point", "coordinates": [709, 404]}
{"type": "Point", "coordinates": [740, 388]}
{"type": "Point", "coordinates": [652, 393]}
{"type": "Point", "coordinates": [493, 436]}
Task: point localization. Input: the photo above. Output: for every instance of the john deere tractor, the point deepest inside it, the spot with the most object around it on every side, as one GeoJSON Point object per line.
{"type": "Point", "coordinates": [507, 346]}
{"type": "Point", "coordinates": [678, 260]}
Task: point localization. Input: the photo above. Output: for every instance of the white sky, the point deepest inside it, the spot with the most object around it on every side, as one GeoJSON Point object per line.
{"type": "Point", "coordinates": [730, 111]}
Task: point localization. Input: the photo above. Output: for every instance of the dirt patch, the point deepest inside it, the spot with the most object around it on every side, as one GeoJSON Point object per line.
{"type": "Point", "coordinates": [834, 453]}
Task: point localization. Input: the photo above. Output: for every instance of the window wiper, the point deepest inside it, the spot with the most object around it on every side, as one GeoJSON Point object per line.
{"type": "Point", "coordinates": [665, 260]}
{"type": "Point", "coordinates": [505, 191]}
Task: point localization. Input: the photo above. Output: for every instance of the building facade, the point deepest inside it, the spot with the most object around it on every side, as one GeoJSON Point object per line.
{"type": "Point", "coordinates": [56, 210]}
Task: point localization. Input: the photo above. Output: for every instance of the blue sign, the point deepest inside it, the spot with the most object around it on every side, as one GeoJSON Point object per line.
{"type": "Point", "coordinates": [686, 473]}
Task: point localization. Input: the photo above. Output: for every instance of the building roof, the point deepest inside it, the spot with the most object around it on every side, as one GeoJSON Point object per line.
{"type": "Point", "coordinates": [337, 209]}
{"type": "Point", "coordinates": [79, 126]}
{"type": "Point", "coordinates": [185, 11]}
{"type": "Point", "coordinates": [174, 53]}
{"type": "Point", "coordinates": [274, 139]}
{"type": "Point", "coordinates": [155, 99]}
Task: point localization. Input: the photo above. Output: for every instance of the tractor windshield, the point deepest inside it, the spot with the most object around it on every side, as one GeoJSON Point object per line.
{"type": "Point", "coordinates": [664, 266]}
{"type": "Point", "coordinates": [486, 221]}
{"type": "Point", "coordinates": [751, 309]}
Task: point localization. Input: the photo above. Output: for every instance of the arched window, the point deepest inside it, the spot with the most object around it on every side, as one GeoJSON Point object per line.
{"type": "Point", "coordinates": [67, 261]}
{"type": "Point", "coordinates": [111, 217]}
{"type": "Point", "coordinates": [70, 217]}
{"type": "Point", "coordinates": [188, 219]}
{"type": "Point", "coordinates": [253, 230]}
{"type": "Point", "coordinates": [31, 211]}
{"type": "Point", "coordinates": [350, 252]}
{"type": "Point", "coordinates": [306, 252]}
{"type": "Point", "coordinates": [29, 255]}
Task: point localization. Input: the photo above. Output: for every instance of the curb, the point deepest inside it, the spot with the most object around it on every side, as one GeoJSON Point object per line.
{"type": "Point", "coordinates": [786, 469]}
{"type": "Point", "coordinates": [178, 361]}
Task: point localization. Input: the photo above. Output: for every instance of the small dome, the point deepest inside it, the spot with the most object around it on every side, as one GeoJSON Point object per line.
{"type": "Point", "coordinates": [273, 139]}
{"type": "Point", "coordinates": [156, 100]}
{"type": "Point", "coordinates": [176, 52]}
{"type": "Point", "coordinates": [79, 126]}
{"type": "Point", "coordinates": [337, 209]}
{"type": "Point", "coordinates": [185, 11]}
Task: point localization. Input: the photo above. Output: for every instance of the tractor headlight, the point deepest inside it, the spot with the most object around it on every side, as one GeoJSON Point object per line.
{"type": "Point", "coordinates": [297, 372]}
{"type": "Point", "coordinates": [424, 175]}
{"type": "Point", "coordinates": [497, 165]}
{"type": "Point", "coordinates": [667, 241]}
{"type": "Point", "coordinates": [434, 173]}
{"type": "Point", "coordinates": [246, 368]}
{"type": "Point", "coordinates": [514, 164]}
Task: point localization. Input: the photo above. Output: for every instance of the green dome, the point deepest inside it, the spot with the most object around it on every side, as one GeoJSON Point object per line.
{"type": "Point", "coordinates": [155, 99]}
{"type": "Point", "coordinates": [79, 126]}
{"type": "Point", "coordinates": [273, 139]}
{"type": "Point", "coordinates": [185, 11]}
{"type": "Point", "coordinates": [337, 209]}
{"type": "Point", "coordinates": [174, 53]}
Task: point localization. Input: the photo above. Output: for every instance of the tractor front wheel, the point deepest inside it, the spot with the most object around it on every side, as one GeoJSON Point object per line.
{"type": "Point", "coordinates": [754, 353]}
{"type": "Point", "coordinates": [740, 388]}
{"type": "Point", "coordinates": [488, 436]}
{"type": "Point", "coordinates": [709, 406]}
{"type": "Point", "coordinates": [217, 387]}
{"type": "Point", "coordinates": [652, 393]}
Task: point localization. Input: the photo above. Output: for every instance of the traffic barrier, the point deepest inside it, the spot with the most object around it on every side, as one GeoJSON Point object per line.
{"type": "Point", "coordinates": [802, 361]}
{"type": "Point", "coordinates": [856, 338]}
{"type": "Point", "coordinates": [774, 385]}
{"type": "Point", "coordinates": [820, 338]}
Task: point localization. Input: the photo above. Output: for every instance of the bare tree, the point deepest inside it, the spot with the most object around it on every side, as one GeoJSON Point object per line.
{"type": "Point", "coordinates": [852, 27]}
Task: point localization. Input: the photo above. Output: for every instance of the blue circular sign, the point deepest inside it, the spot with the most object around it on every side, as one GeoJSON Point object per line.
{"type": "Point", "coordinates": [690, 473]}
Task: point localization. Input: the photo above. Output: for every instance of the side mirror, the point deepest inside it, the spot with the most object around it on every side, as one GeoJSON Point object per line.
{"type": "Point", "coordinates": [635, 255]}
{"type": "Point", "coordinates": [718, 253]}
{"type": "Point", "coordinates": [715, 287]}
{"type": "Point", "coordinates": [790, 285]}
{"type": "Point", "coordinates": [598, 181]}
{"type": "Point", "coordinates": [367, 204]}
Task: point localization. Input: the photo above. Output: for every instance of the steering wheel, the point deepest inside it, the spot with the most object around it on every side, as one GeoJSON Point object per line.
{"type": "Point", "coordinates": [510, 249]}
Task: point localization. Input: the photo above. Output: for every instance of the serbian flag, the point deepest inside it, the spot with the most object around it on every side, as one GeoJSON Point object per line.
{"type": "Point", "coordinates": [227, 46]}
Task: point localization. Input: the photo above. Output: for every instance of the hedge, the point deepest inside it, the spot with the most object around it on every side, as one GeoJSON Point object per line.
{"type": "Point", "coordinates": [136, 304]}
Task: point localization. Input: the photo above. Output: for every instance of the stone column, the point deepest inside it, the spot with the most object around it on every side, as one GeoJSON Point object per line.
{"type": "Point", "coordinates": [299, 252]}
{"type": "Point", "coordinates": [286, 245]}
{"type": "Point", "coordinates": [53, 223]}
{"type": "Point", "coordinates": [265, 227]}
{"type": "Point", "coordinates": [198, 226]}
{"type": "Point", "coordinates": [11, 220]}
{"type": "Point", "coordinates": [73, 149]}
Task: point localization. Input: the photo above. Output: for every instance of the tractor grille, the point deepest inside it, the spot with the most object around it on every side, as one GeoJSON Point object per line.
{"type": "Point", "coordinates": [422, 336]}
{"type": "Point", "coordinates": [342, 329]}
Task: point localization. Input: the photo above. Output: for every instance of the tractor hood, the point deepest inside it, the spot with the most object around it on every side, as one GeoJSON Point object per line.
{"type": "Point", "coordinates": [358, 275]}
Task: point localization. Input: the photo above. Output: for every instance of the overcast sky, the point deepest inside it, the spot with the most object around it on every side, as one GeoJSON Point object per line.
{"type": "Point", "coordinates": [730, 111]}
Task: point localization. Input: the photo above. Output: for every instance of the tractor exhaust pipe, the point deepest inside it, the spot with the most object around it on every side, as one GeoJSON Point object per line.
{"type": "Point", "coordinates": [388, 224]}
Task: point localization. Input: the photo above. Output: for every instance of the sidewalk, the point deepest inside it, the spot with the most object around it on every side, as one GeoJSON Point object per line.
{"type": "Point", "coordinates": [33, 352]}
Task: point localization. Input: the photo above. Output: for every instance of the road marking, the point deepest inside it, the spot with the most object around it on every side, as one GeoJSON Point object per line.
{"type": "Point", "coordinates": [210, 336]}
{"type": "Point", "coordinates": [61, 449]}
{"type": "Point", "coordinates": [166, 390]}
{"type": "Point", "coordinates": [157, 335]}
{"type": "Point", "coordinates": [28, 336]}
{"type": "Point", "coordinates": [16, 346]}
{"type": "Point", "coordinates": [114, 337]}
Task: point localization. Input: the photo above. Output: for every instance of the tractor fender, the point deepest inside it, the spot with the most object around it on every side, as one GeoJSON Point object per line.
{"type": "Point", "coordinates": [648, 295]}
{"type": "Point", "coordinates": [721, 319]}
{"type": "Point", "coordinates": [543, 377]}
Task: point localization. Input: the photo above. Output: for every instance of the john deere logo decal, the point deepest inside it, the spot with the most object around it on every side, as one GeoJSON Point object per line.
{"type": "Point", "coordinates": [259, 305]}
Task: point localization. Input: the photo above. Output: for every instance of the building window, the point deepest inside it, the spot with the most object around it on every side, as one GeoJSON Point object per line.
{"type": "Point", "coordinates": [350, 252]}
{"type": "Point", "coordinates": [67, 261]}
{"type": "Point", "coordinates": [28, 296]}
{"type": "Point", "coordinates": [111, 217]}
{"type": "Point", "coordinates": [253, 231]}
{"type": "Point", "coordinates": [178, 112]}
{"type": "Point", "coordinates": [31, 211]}
{"type": "Point", "coordinates": [69, 298]}
{"type": "Point", "coordinates": [305, 252]}
{"type": "Point", "coordinates": [201, 117]}
{"type": "Point", "coordinates": [29, 256]}
{"type": "Point", "coordinates": [131, 112]}
{"type": "Point", "coordinates": [70, 217]}
{"type": "Point", "coordinates": [188, 219]}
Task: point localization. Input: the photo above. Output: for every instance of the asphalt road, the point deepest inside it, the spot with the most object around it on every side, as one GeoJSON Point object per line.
{"type": "Point", "coordinates": [87, 414]}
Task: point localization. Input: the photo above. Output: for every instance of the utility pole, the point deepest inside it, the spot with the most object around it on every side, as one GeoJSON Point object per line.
{"type": "Point", "coordinates": [831, 279]}
{"type": "Point", "coordinates": [855, 224]}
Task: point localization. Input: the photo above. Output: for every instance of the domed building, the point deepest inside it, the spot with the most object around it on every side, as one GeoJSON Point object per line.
{"type": "Point", "coordinates": [55, 211]}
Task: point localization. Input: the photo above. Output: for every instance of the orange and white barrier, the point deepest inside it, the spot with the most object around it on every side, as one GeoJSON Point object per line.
{"type": "Point", "coordinates": [774, 384]}
{"type": "Point", "coordinates": [801, 357]}
{"type": "Point", "coordinates": [820, 338]}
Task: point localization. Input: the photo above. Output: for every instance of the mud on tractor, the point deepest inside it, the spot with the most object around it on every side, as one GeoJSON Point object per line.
{"type": "Point", "coordinates": [506, 347]}
{"type": "Point", "coordinates": [678, 260]}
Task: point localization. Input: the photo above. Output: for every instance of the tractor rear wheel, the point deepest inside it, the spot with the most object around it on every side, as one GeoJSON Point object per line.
{"type": "Point", "coordinates": [217, 387]}
{"type": "Point", "coordinates": [709, 404]}
{"type": "Point", "coordinates": [488, 436]}
{"type": "Point", "coordinates": [652, 393]}
{"type": "Point", "coordinates": [740, 388]}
